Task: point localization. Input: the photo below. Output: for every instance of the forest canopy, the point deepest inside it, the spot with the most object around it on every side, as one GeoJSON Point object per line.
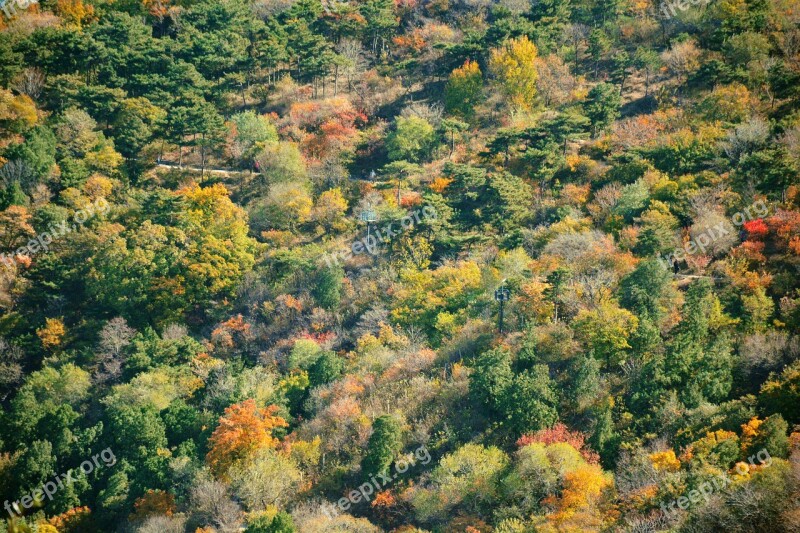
{"type": "Point", "coordinates": [439, 266]}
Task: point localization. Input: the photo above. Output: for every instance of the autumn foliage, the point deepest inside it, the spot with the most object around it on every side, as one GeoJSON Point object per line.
{"type": "Point", "coordinates": [154, 503]}
{"type": "Point", "coordinates": [72, 521]}
{"type": "Point", "coordinates": [348, 236]}
{"type": "Point", "coordinates": [242, 430]}
{"type": "Point", "coordinates": [561, 433]}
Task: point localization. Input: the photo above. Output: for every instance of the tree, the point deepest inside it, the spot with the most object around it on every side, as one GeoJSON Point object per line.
{"type": "Point", "coordinates": [560, 433]}
{"type": "Point", "coordinates": [490, 378]}
{"type": "Point", "coordinates": [193, 115]}
{"type": "Point", "coordinates": [163, 524]}
{"type": "Point", "coordinates": [769, 435]}
{"type": "Point", "coordinates": [606, 330]}
{"type": "Point", "coordinates": [211, 504]}
{"type": "Point", "coordinates": [467, 478]}
{"type": "Point", "coordinates": [327, 290]}
{"type": "Point", "coordinates": [682, 58]}
{"type": "Point", "coordinates": [525, 401]}
{"type": "Point", "coordinates": [77, 132]}
{"type": "Point", "coordinates": [158, 285]}
{"type": "Point", "coordinates": [657, 235]}
{"type": "Point", "coordinates": [580, 496]}
{"type": "Point", "coordinates": [304, 353]}
{"type": "Point", "coordinates": [10, 60]}
{"type": "Point", "coordinates": [135, 125]}
{"type": "Point", "coordinates": [281, 162]}
{"type": "Point", "coordinates": [452, 127]}
{"type": "Point", "coordinates": [136, 431]}
{"type": "Point", "coordinates": [52, 333]}
{"type": "Point", "coordinates": [329, 210]}
{"type": "Point", "coordinates": [325, 369]}
{"type": "Point", "coordinates": [529, 402]}
{"type": "Point", "coordinates": [647, 60]}
{"type": "Point", "coordinates": [17, 114]}
{"type": "Point", "coordinates": [286, 206]}
{"type": "Point", "coordinates": [267, 479]}
{"type": "Point", "coordinates": [384, 445]}
{"type": "Point", "coordinates": [622, 61]}
{"type": "Point", "coordinates": [781, 393]}
{"type": "Point", "coordinates": [10, 368]}
{"type": "Point", "coordinates": [311, 53]}
{"type": "Point", "coordinates": [136, 434]}
{"type": "Point", "coordinates": [250, 132]}
{"type": "Point", "coordinates": [183, 423]}
{"type": "Point", "coordinates": [730, 103]}
{"type": "Point", "coordinates": [555, 84]}
{"type": "Point", "coordinates": [43, 393]}
{"type": "Point", "coordinates": [36, 464]}
{"type": "Point", "coordinates": [557, 284]}
{"type": "Point", "coordinates": [148, 350]}
{"type": "Point", "coordinates": [154, 502]}
{"type": "Point", "coordinates": [514, 67]}
{"type": "Point", "coordinates": [735, 510]}
{"type": "Point", "coordinates": [114, 338]}
{"type": "Point", "coordinates": [242, 431]}
{"type": "Point", "coordinates": [15, 227]}
{"type": "Point", "coordinates": [699, 362]}
{"type": "Point", "coordinates": [533, 475]}
{"type": "Point", "coordinates": [411, 140]}
{"type": "Point", "coordinates": [380, 19]}
{"type": "Point", "coordinates": [646, 290]}
{"type": "Point", "coordinates": [599, 45]}
{"type": "Point", "coordinates": [280, 523]}
{"type": "Point", "coordinates": [602, 106]}
{"type": "Point", "coordinates": [38, 151]}
{"type": "Point", "coordinates": [463, 90]}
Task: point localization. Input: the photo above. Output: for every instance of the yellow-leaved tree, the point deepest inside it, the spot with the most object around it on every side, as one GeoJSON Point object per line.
{"type": "Point", "coordinates": [52, 333]}
{"type": "Point", "coordinates": [219, 251]}
{"type": "Point", "coordinates": [514, 67]}
{"type": "Point", "coordinates": [579, 508]}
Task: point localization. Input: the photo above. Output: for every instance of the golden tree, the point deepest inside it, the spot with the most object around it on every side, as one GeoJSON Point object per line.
{"type": "Point", "coordinates": [243, 430]}
{"type": "Point", "coordinates": [514, 66]}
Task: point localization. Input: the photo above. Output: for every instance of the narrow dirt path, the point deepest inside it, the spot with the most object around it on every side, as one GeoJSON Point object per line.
{"type": "Point", "coordinates": [223, 171]}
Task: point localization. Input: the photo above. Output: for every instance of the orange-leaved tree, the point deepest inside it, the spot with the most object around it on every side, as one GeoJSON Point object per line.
{"type": "Point", "coordinates": [242, 430]}
{"type": "Point", "coordinates": [580, 506]}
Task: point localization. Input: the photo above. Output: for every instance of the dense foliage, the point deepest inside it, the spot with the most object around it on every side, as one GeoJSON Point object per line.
{"type": "Point", "coordinates": [250, 250]}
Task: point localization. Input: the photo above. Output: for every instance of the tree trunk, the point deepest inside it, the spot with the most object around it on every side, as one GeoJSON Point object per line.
{"type": "Point", "coordinates": [203, 158]}
{"type": "Point", "coordinates": [336, 81]}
